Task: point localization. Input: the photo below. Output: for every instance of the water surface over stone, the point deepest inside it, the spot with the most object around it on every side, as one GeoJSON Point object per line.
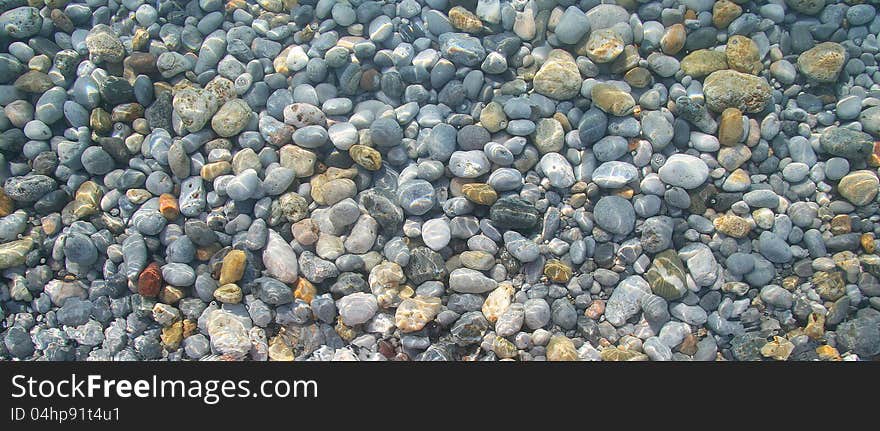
{"type": "Point", "coordinates": [488, 180]}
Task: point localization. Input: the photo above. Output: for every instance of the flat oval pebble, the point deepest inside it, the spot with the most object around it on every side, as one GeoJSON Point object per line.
{"type": "Point", "coordinates": [436, 233]}
{"type": "Point", "coordinates": [614, 174]}
{"type": "Point", "coordinates": [615, 215]}
{"type": "Point", "coordinates": [684, 171]}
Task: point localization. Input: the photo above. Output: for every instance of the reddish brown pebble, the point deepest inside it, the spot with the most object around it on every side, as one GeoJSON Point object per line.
{"type": "Point", "coordinates": [595, 310]}
{"type": "Point", "coordinates": [6, 204]}
{"type": "Point", "coordinates": [150, 281]}
{"type": "Point", "coordinates": [369, 80]}
{"type": "Point", "coordinates": [386, 349]}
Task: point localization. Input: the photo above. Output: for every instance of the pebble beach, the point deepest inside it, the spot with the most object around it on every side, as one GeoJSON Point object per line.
{"type": "Point", "coordinates": [439, 180]}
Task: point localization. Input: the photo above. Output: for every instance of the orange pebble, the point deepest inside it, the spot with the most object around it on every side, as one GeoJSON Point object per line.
{"type": "Point", "coordinates": [168, 206]}
{"type": "Point", "coordinates": [303, 289]}
{"type": "Point", "coordinates": [150, 280]}
{"type": "Point", "coordinates": [6, 204]}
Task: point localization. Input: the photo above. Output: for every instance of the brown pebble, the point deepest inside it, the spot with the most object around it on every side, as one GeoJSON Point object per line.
{"type": "Point", "coordinates": [724, 12]}
{"type": "Point", "coordinates": [743, 55]}
{"type": "Point", "coordinates": [673, 40]}
{"type": "Point", "coordinates": [557, 271]}
{"type": "Point", "coordinates": [7, 206]}
{"type": "Point", "coordinates": [791, 283]}
{"type": "Point", "coordinates": [366, 156]}
{"type": "Point", "coordinates": [345, 332]}
{"type": "Point", "coordinates": [387, 349]}
{"type": "Point", "coordinates": [563, 120]}
{"type": "Point", "coordinates": [829, 285]}
{"type": "Point", "coordinates": [867, 242]}
{"type": "Point", "coordinates": [141, 63]}
{"type": "Point", "coordinates": [859, 187]}
{"type": "Point", "coordinates": [638, 77]}
{"type": "Point", "coordinates": [732, 225]}
{"type": "Point", "coordinates": [33, 81]}
{"type": "Point", "coordinates": [304, 290]}
{"type": "Point", "coordinates": [841, 224]}
{"type": "Point", "coordinates": [138, 196]}
{"type": "Point", "coordinates": [479, 193]}
{"type": "Point", "coordinates": [168, 206]}
{"type": "Point", "coordinates": [172, 335]}
{"type": "Point", "coordinates": [624, 192]}
{"type": "Point", "coordinates": [579, 187]}
{"type": "Point", "coordinates": [595, 310]}
{"type": "Point", "coordinates": [754, 135]}
{"type": "Point", "coordinates": [189, 328]}
{"type": "Point", "coordinates": [205, 253]}
{"type": "Point", "coordinates": [99, 120]}
{"type": "Point", "coordinates": [211, 171]}
{"type": "Point", "coordinates": [370, 80]}
{"type": "Point", "coordinates": [305, 232]}
{"type": "Point", "coordinates": [279, 350]}
{"type": "Point", "coordinates": [561, 348]}
{"type": "Point", "coordinates": [689, 345]}
{"type": "Point", "coordinates": [874, 160]}
{"type": "Point", "coordinates": [815, 326]}
{"type": "Point", "coordinates": [233, 266]}
{"type": "Point", "coordinates": [150, 280]}
{"type": "Point", "coordinates": [61, 21]}
{"type": "Point", "coordinates": [456, 184]}
{"type": "Point", "coordinates": [828, 353]}
{"type": "Point", "coordinates": [730, 129]}
{"type": "Point", "coordinates": [228, 294]}
{"type": "Point", "coordinates": [140, 40]}
{"type": "Point", "coordinates": [126, 112]}
{"type": "Point", "coordinates": [50, 224]}
{"type": "Point", "coordinates": [171, 294]}
{"type": "Point", "coordinates": [465, 20]}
